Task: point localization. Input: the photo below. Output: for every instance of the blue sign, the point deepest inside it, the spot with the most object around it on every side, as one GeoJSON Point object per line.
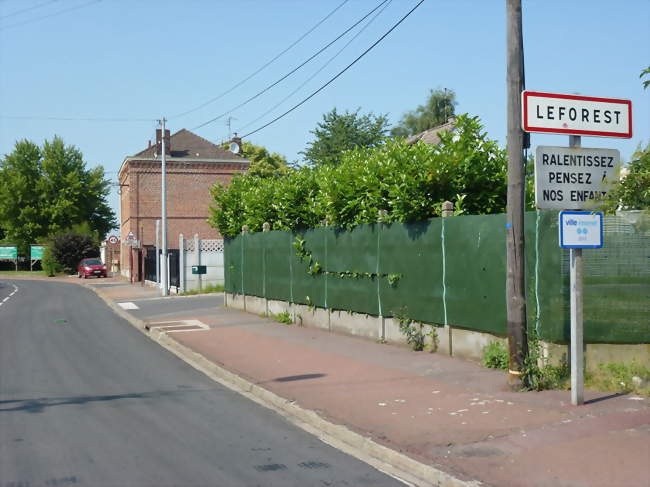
{"type": "Point", "coordinates": [581, 229]}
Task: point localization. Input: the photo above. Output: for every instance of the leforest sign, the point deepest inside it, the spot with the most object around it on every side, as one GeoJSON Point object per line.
{"type": "Point", "coordinates": [576, 114]}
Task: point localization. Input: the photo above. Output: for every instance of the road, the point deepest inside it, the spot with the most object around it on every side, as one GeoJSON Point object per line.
{"type": "Point", "coordinates": [87, 400]}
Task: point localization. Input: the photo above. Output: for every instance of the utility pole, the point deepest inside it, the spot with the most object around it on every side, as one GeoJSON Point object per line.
{"type": "Point", "coordinates": [163, 214]}
{"type": "Point", "coordinates": [515, 250]}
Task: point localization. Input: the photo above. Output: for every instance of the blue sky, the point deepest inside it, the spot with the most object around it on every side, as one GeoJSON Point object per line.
{"type": "Point", "coordinates": [142, 59]}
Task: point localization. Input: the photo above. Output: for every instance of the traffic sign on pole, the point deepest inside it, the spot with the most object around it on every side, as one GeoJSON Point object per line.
{"type": "Point", "coordinates": [573, 177]}
{"type": "Point", "coordinates": [576, 115]}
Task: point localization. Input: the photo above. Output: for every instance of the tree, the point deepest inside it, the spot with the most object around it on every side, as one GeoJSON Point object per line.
{"type": "Point", "coordinates": [438, 108]}
{"type": "Point", "coordinates": [633, 191]}
{"type": "Point", "coordinates": [338, 133]}
{"type": "Point", "coordinates": [264, 164]}
{"type": "Point", "coordinates": [645, 72]}
{"type": "Point", "coordinates": [46, 189]}
{"type": "Point", "coordinates": [68, 247]}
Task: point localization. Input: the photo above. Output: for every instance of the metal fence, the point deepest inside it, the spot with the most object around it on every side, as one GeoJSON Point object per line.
{"type": "Point", "coordinates": [452, 271]}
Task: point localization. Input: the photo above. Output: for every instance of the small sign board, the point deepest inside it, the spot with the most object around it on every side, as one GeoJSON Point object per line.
{"type": "Point", "coordinates": [113, 239]}
{"type": "Point", "coordinates": [199, 269]}
{"type": "Point", "coordinates": [8, 252]}
{"type": "Point", "coordinates": [36, 252]}
{"type": "Point", "coordinates": [132, 243]}
{"type": "Point", "coordinates": [573, 177]}
{"type": "Point", "coordinates": [581, 229]}
{"type": "Point", "coordinates": [576, 115]}
{"type": "Point", "coordinates": [130, 236]}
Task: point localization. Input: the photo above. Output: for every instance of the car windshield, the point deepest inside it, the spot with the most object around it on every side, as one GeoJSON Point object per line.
{"type": "Point", "coordinates": [92, 262]}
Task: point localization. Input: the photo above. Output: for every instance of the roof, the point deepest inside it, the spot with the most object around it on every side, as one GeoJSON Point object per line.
{"type": "Point", "coordinates": [431, 136]}
{"type": "Point", "coordinates": [187, 145]}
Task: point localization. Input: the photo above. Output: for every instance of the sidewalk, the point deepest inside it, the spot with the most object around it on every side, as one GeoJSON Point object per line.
{"type": "Point", "coordinates": [443, 412]}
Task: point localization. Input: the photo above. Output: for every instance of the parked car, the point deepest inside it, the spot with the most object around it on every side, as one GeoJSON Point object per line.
{"type": "Point", "coordinates": [91, 267]}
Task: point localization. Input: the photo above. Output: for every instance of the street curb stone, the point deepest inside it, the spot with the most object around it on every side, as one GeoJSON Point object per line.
{"type": "Point", "coordinates": [340, 437]}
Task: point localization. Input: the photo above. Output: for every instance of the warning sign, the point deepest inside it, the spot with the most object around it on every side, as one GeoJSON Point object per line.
{"type": "Point", "coordinates": [573, 178]}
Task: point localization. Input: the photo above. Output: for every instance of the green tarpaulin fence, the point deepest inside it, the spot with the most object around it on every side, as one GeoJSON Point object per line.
{"type": "Point", "coordinates": [452, 271]}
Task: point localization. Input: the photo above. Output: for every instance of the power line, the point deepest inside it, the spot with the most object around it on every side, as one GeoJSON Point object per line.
{"type": "Point", "coordinates": [293, 70]}
{"type": "Point", "coordinates": [28, 9]}
{"type": "Point", "coordinates": [338, 74]}
{"type": "Point", "coordinates": [237, 85]}
{"type": "Point", "coordinates": [319, 69]}
{"type": "Point", "coordinates": [50, 15]}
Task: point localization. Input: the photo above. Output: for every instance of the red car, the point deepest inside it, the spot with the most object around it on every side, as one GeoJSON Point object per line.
{"type": "Point", "coordinates": [91, 267]}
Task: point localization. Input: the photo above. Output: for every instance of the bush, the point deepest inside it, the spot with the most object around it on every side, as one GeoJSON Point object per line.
{"type": "Point", "coordinates": [67, 248]}
{"type": "Point", "coordinates": [50, 266]}
{"type": "Point", "coordinates": [495, 356]}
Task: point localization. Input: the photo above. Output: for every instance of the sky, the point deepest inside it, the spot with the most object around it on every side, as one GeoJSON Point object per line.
{"type": "Point", "coordinates": [112, 68]}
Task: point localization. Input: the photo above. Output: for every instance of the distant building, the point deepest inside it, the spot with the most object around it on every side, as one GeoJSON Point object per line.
{"type": "Point", "coordinates": [431, 136]}
{"type": "Point", "coordinates": [193, 165]}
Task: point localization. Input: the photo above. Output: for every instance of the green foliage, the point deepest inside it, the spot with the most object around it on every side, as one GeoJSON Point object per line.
{"type": "Point", "coordinates": [645, 72]}
{"type": "Point", "coordinates": [46, 189]}
{"type": "Point", "coordinates": [495, 356]}
{"type": "Point", "coordinates": [538, 373]}
{"type": "Point", "coordinates": [338, 133]}
{"type": "Point", "coordinates": [410, 182]}
{"type": "Point", "coordinates": [283, 317]}
{"type": "Point", "coordinates": [264, 164]}
{"type": "Point", "coordinates": [68, 247]}
{"type": "Point", "coordinates": [413, 331]}
{"type": "Point", "coordinates": [633, 191]}
{"type": "Point", "coordinates": [616, 377]}
{"type": "Point", "coordinates": [49, 264]}
{"type": "Point", "coordinates": [207, 289]}
{"type": "Point", "coordinates": [438, 108]}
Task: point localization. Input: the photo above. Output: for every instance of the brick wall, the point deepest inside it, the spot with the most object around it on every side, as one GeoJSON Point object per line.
{"type": "Point", "coordinates": [188, 200]}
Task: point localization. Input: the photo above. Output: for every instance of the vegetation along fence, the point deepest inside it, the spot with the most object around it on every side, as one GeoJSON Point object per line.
{"type": "Point", "coordinates": [452, 271]}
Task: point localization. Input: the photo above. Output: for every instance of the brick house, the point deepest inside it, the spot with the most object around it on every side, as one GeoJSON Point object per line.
{"type": "Point", "coordinates": [193, 165]}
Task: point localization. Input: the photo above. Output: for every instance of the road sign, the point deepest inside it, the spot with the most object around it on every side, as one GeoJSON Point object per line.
{"type": "Point", "coordinates": [581, 229]}
{"type": "Point", "coordinates": [113, 239]}
{"type": "Point", "coordinates": [132, 243]}
{"type": "Point", "coordinates": [130, 236]}
{"type": "Point", "coordinates": [199, 269]}
{"type": "Point", "coordinates": [573, 177]}
{"type": "Point", "coordinates": [8, 252]}
{"type": "Point", "coordinates": [576, 115]}
{"type": "Point", "coordinates": [36, 252]}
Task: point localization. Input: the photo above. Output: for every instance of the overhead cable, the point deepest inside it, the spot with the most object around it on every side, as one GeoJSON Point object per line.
{"type": "Point", "coordinates": [237, 85]}
{"type": "Point", "coordinates": [337, 75]}
{"type": "Point", "coordinates": [293, 70]}
{"type": "Point", "coordinates": [50, 15]}
{"type": "Point", "coordinates": [319, 69]}
{"type": "Point", "coordinates": [28, 9]}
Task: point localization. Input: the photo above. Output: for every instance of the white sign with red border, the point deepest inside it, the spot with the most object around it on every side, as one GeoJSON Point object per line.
{"type": "Point", "coordinates": [113, 239]}
{"type": "Point", "coordinates": [576, 115]}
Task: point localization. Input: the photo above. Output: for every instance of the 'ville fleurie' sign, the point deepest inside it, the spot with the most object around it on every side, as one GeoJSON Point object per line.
{"type": "Point", "coordinates": [576, 115]}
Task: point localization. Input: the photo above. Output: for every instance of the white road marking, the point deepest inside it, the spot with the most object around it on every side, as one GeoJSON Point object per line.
{"type": "Point", "coordinates": [179, 324]}
{"type": "Point", "coordinates": [128, 305]}
{"type": "Point", "coordinates": [5, 299]}
{"type": "Point", "coordinates": [10, 295]}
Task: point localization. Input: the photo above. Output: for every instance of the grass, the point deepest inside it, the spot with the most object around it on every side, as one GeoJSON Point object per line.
{"type": "Point", "coordinates": [283, 317]}
{"type": "Point", "coordinates": [616, 377]}
{"type": "Point", "coordinates": [207, 289]}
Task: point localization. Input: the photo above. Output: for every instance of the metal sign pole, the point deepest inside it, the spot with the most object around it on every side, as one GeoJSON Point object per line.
{"type": "Point", "coordinates": [577, 347]}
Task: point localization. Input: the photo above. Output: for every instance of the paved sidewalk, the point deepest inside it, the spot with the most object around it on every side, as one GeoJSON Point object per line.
{"type": "Point", "coordinates": [447, 413]}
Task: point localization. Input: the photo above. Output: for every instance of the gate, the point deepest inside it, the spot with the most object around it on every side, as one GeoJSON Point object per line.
{"type": "Point", "coordinates": [174, 268]}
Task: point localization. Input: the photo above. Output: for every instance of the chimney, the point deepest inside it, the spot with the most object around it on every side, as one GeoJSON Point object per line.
{"type": "Point", "coordinates": [168, 148]}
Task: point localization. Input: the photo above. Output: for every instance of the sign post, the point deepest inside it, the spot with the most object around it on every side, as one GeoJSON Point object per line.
{"type": "Point", "coordinates": [574, 178]}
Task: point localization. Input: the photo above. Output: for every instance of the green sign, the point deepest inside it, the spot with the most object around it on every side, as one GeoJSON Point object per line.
{"type": "Point", "coordinates": [36, 252]}
{"type": "Point", "coordinates": [8, 252]}
{"type": "Point", "coordinates": [199, 269]}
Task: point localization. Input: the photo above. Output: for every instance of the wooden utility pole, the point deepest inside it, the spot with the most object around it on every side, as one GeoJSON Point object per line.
{"type": "Point", "coordinates": [516, 258]}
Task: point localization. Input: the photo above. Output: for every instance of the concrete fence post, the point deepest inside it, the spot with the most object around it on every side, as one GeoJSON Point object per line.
{"type": "Point", "coordinates": [244, 230]}
{"type": "Point", "coordinates": [447, 209]}
{"type": "Point", "coordinates": [181, 262]}
{"type": "Point", "coordinates": [197, 257]}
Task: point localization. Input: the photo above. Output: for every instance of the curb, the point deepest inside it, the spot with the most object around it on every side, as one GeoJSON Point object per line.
{"type": "Point", "coordinates": [363, 448]}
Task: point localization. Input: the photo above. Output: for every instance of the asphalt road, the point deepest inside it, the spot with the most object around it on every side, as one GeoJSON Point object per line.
{"type": "Point", "coordinates": [86, 400]}
{"type": "Point", "coordinates": [162, 308]}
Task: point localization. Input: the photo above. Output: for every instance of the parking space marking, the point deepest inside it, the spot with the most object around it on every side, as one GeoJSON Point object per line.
{"type": "Point", "coordinates": [128, 305]}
